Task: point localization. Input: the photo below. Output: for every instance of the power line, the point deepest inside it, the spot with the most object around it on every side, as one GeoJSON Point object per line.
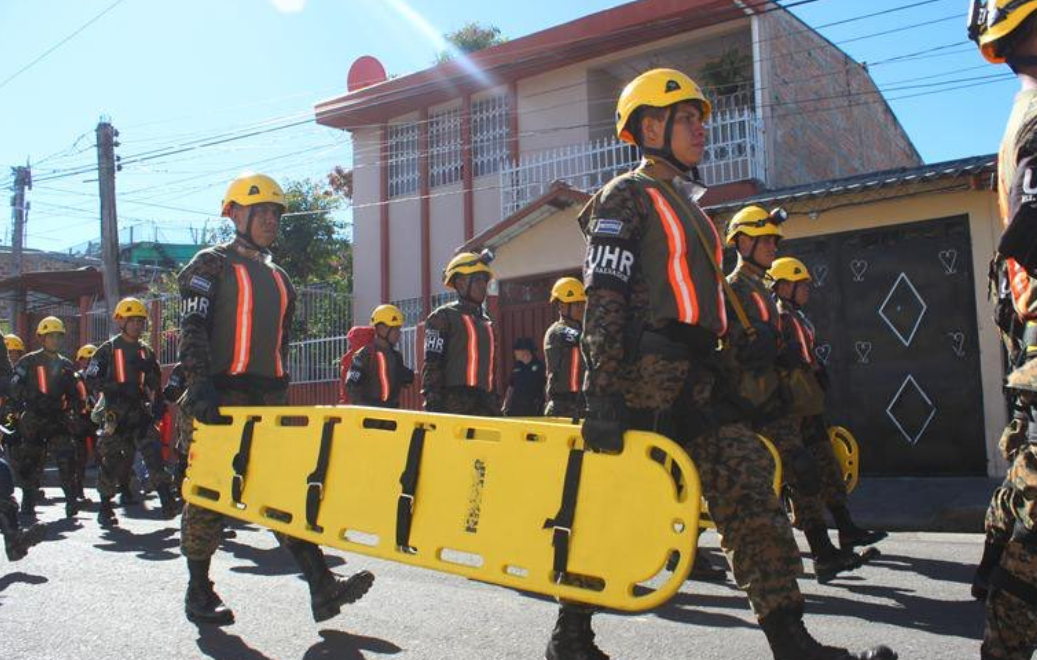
{"type": "Point", "coordinates": [60, 43]}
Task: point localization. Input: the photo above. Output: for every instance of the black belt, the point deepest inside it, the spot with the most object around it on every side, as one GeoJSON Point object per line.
{"type": "Point", "coordinates": [240, 462]}
{"type": "Point", "coordinates": [315, 481]}
{"type": "Point", "coordinates": [408, 487]}
{"type": "Point", "coordinates": [562, 523]}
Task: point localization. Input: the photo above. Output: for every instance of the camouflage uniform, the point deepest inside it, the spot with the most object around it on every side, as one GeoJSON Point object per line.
{"type": "Point", "coordinates": [1011, 614]}
{"type": "Point", "coordinates": [175, 387]}
{"type": "Point", "coordinates": [376, 376]}
{"type": "Point", "coordinates": [565, 369]}
{"type": "Point", "coordinates": [668, 373]}
{"type": "Point", "coordinates": [44, 385]}
{"type": "Point", "coordinates": [83, 429]}
{"type": "Point", "coordinates": [451, 381]}
{"type": "Point", "coordinates": [128, 375]}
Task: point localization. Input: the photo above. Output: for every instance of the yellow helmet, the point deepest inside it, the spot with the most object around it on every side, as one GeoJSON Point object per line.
{"type": "Point", "coordinates": [86, 351]}
{"type": "Point", "coordinates": [14, 343]}
{"type": "Point", "coordinates": [658, 88]}
{"type": "Point", "coordinates": [467, 263]}
{"type": "Point", "coordinates": [990, 21]}
{"type": "Point", "coordinates": [756, 221]}
{"type": "Point", "coordinates": [568, 290]}
{"type": "Point", "coordinates": [788, 268]}
{"type": "Point", "coordinates": [390, 315]}
{"type": "Point", "coordinates": [129, 308]}
{"type": "Point", "coordinates": [252, 188]}
{"type": "Point", "coordinates": [49, 325]}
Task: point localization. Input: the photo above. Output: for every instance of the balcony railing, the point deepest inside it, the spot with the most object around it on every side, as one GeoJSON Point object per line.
{"type": "Point", "coordinates": [734, 152]}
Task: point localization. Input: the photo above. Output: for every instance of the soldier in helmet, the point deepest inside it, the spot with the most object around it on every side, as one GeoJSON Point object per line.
{"type": "Point", "coordinates": [44, 387]}
{"type": "Point", "coordinates": [460, 347]}
{"type": "Point", "coordinates": [1006, 33]}
{"type": "Point", "coordinates": [655, 315]}
{"type": "Point", "coordinates": [14, 349]}
{"type": "Point", "coordinates": [565, 367]}
{"type": "Point", "coordinates": [377, 373]}
{"type": "Point", "coordinates": [753, 344]}
{"type": "Point", "coordinates": [237, 307]}
{"type": "Point", "coordinates": [17, 541]}
{"type": "Point", "coordinates": [806, 384]}
{"type": "Point", "coordinates": [125, 371]}
{"type": "Point", "coordinates": [83, 429]}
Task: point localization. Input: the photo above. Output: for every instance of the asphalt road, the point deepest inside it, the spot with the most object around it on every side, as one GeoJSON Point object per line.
{"type": "Point", "coordinates": [88, 594]}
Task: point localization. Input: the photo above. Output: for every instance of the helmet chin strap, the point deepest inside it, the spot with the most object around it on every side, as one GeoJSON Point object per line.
{"type": "Point", "coordinates": [666, 153]}
{"type": "Point", "coordinates": [752, 255]}
{"type": "Point", "coordinates": [566, 314]}
{"type": "Point", "coordinates": [247, 235]}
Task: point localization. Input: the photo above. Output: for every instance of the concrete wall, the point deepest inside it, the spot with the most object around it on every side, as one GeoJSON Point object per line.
{"type": "Point", "coordinates": [553, 109]}
{"type": "Point", "coordinates": [367, 261]}
{"type": "Point", "coordinates": [823, 116]}
{"type": "Point", "coordinates": [446, 209]}
{"type": "Point", "coordinates": [553, 244]}
{"type": "Point", "coordinates": [405, 245]}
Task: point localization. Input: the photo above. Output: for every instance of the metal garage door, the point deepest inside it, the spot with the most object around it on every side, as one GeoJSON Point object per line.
{"type": "Point", "coordinates": [896, 316]}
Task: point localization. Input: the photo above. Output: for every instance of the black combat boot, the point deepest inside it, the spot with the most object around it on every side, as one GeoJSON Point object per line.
{"type": "Point", "coordinates": [789, 640]}
{"type": "Point", "coordinates": [106, 514]}
{"type": "Point", "coordinates": [71, 502]}
{"type": "Point", "coordinates": [991, 559]}
{"type": "Point", "coordinates": [18, 541]}
{"type": "Point", "coordinates": [573, 637]}
{"type": "Point", "coordinates": [167, 502]}
{"type": "Point", "coordinates": [328, 592]}
{"type": "Point", "coordinates": [201, 603]}
{"type": "Point", "coordinates": [126, 496]}
{"type": "Point", "coordinates": [830, 561]}
{"type": "Point", "coordinates": [28, 512]}
{"type": "Point", "coordinates": [850, 535]}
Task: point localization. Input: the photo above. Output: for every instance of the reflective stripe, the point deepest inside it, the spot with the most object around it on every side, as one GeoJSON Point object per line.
{"type": "Point", "coordinates": [81, 388]}
{"type": "Point", "coordinates": [243, 334]}
{"type": "Point", "coordinates": [574, 370]}
{"type": "Point", "coordinates": [493, 355]}
{"type": "Point", "coordinates": [765, 313]}
{"type": "Point", "coordinates": [472, 368]}
{"type": "Point", "coordinates": [282, 290]}
{"type": "Point", "coordinates": [803, 348]}
{"type": "Point", "coordinates": [41, 378]}
{"type": "Point", "coordinates": [718, 256]}
{"type": "Point", "coordinates": [383, 375]}
{"type": "Point", "coordinates": [143, 358]}
{"type": "Point", "coordinates": [120, 366]}
{"type": "Point", "coordinates": [677, 263]}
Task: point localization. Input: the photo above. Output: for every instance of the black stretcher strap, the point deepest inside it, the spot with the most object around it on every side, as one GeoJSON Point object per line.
{"type": "Point", "coordinates": [240, 462]}
{"type": "Point", "coordinates": [315, 481]}
{"type": "Point", "coordinates": [562, 523]}
{"type": "Point", "coordinates": [408, 486]}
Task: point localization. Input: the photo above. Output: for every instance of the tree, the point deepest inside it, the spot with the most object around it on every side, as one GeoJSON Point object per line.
{"type": "Point", "coordinates": [472, 36]}
{"type": "Point", "coordinates": [341, 181]}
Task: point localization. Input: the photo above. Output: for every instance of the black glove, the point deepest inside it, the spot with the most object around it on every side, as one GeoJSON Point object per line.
{"type": "Point", "coordinates": [406, 376]}
{"type": "Point", "coordinates": [605, 423]}
{"type": "Point", "coordinates": [203, 403]}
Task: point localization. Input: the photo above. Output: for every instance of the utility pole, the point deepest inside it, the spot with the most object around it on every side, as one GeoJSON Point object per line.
{"type": "Point", "coordinates": [19, 216]}
{"type": "Point", "coordinates": [106, 167]}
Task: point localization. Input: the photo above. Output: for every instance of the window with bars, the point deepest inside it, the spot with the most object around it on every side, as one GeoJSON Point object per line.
{"type": "Point", "coordinates": [490, 134]}
{"type": "Point", "coordinates": [403, 159]}
{"type": "Point", "coordinates": [444, 147]}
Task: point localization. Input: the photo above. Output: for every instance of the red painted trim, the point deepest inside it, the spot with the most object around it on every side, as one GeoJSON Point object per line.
{"type": "Point", "coordinates": [467, 167]}
{"type": "Point", "coordinates": [513, 121]}
{"type": "Point", "coordinates": [605, 32]}
{"type": "Point", "coordinates": [383, 172]}
{"type": "Point", "coordinates": [426, 213]}
{"type": "Point", "coordinates": [560, 196]}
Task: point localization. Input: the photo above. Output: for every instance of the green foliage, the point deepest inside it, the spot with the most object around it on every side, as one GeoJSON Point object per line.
{"type": "Point", "coordinates": [728, 72]}
{"type": "Point", "coordinates": [472, 36]}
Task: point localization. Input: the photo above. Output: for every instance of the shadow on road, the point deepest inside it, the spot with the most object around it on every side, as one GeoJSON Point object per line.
{"type": "Point", "coordinates": [687, 608]}
{"type": "Point", "coordinates": [153, 546]}
{"type": "Point", "coordinates": [344, 646]}
{"type": "Point", "coordinates": [216, 643]}
{"type": "Point", "coordinates": [268, 561]}
{"type": "Point", "coordinates": [934, 569]}
{"type": "Point", "coordinates": [57, 530]}
{"type": "Point", "coordinates": [20, 578]}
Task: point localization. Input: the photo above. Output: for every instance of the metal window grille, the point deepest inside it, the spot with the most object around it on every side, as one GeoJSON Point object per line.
{"type": "Point", "coordinates": [444, 152]}
{"type": "Point", "coordinates": [403, 159]}
{"type": "Point", "coordinates": [490, 134]}
{"type": "Point", "coordinates": [413, 312]}
{"type": "Point", "coordinates": [316, 360]}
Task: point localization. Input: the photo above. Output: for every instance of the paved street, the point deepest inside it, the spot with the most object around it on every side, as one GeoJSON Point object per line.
{"type": "Point", "coordinates": [86, 594]}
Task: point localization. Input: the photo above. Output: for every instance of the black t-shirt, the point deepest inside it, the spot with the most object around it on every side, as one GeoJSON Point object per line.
{"type": "Point", "coordinates": [527, 385]}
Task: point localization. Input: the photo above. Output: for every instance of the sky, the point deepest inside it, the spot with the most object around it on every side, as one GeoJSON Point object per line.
{"type": "Point", "coordinates": [170, 74]}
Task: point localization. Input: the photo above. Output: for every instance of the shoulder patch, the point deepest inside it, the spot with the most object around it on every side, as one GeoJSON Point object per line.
{"type": "Point", "coordinates": [607, 227]}
{"type": "Point", "coordinates": [199, 284]}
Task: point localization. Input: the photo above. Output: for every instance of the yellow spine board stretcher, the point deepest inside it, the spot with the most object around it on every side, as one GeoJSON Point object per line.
{"type": "Point", "coordinates": [848, 452]}
{"type": "Point", "coordinates": [484, 498]}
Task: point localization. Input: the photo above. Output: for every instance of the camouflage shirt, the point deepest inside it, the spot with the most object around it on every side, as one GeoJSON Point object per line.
{"type": "Point", "coordinates": [565, 370]}
{"type": "Point", "coordinates": [121, 369]}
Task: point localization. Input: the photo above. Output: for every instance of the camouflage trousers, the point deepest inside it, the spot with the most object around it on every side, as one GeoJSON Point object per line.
{"type": "Point", "coordinates": [833, 484]}
{"type": "Point", "coordinates": [134, 431]}
{"type": "Point", "coordinates": [469, 401]}
{"type": "Point", "coordinates": [40, 435]}
{"type": "Point", "coordinates": [1011, 622]}
{"type": "Point", "coordinates": [568, 407]}
{"type": "Point", "coordinates": [800, 472]}
{"type": "Point", "coordinates": [201, 529]}
{"type": "Point", "coordinates": [736, 474]}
